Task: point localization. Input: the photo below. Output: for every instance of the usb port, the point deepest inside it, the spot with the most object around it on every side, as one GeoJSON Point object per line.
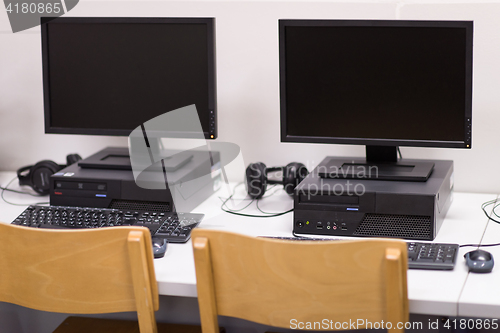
{"type": "Point", "coordinates": [319, 225]}
{"type": "Point", "coordinates": [343, 228]}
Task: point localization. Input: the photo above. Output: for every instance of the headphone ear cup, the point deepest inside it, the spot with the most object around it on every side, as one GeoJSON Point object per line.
{"type": "Point", "coordinates": [24, 178]}
{"type": "Point", "coordinates": [293, 174]}
{"type": "Point", "coordinates": [39, 175]}
{"type": "Point", "coordinates": [256, 180]}
{"type": "Point", "coordinates": [72, 158]}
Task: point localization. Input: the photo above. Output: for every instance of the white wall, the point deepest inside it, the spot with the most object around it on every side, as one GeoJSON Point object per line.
{"type": "Point", "coordinates": [247, 82]}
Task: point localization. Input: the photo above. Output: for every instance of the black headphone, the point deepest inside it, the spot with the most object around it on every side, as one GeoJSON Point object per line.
{"type": "Point", "coordinates": [256, 177]}
{"type": "Point", "coordinates": [38, 175]}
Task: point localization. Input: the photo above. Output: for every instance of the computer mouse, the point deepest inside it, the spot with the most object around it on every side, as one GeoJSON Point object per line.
{"type": "Point", "coordinates": [159, 247]}
{"type": "Point", "coordinates": [479, 261]}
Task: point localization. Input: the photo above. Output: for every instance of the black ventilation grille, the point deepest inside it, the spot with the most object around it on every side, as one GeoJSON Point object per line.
{"type": "Point", "coordinates": [400, 226]}
{"type": "Point", "coordinates": [151, 206]}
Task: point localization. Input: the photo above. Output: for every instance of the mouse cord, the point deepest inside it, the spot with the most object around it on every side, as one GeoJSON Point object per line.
{"type": "Point", "coordinates": [236, 212]}
{"type": "Point", "coordinates": [6, 188]}
{"type": "Point", "coordinates": [479, 245]}
{"type": "Point", "coordinates": [495, 204]}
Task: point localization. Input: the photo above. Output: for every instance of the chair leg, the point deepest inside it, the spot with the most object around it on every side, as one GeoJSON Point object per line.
{"type": "Point", "coordinates": [142, 284]}
{"type": "Point", "coordinates": [205, 285]}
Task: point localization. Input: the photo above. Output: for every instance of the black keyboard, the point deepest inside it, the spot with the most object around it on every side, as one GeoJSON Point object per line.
{"type": "Point", "coordinates": [175, 227]}
{"type": "Point", "coordinates": [438, 256]}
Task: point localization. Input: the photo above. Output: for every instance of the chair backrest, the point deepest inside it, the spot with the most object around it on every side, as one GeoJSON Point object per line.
{"type": "Point", "coordinates": [85, 271]}
{"type": "Point", "coordinates": [289, 284]}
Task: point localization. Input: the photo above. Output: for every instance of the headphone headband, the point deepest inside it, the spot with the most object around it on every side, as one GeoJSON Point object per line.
{"type": "Point", "coordinates": [23, 179]}
{"type": "Point", "coordinates": [274, 169]}
{"type": "Point", "coordinates": [37, 175]}
{"type": "Point", "coordinates": [256, 179]}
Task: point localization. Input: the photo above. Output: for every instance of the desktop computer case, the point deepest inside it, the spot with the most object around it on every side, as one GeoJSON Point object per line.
{"type": "Point", "coordinates": [108, 188]}
{"type": "Point", "coordinates": [373, 208]}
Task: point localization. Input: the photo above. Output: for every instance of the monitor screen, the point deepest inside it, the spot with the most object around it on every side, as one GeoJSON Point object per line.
{"type": "Point", "coordinates": [376, 83]}
{"type": "Point", "coordinates": [106, 76]}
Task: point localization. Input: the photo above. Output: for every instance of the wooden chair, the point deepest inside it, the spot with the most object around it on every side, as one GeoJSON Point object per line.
{"type": "Point", "coordinates": [288, 284]}
{"type": "Point", "coordinates": [85, 272]}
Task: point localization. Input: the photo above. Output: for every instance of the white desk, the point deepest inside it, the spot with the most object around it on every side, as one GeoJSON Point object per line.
{"type": "Point", "coordinates": [481, 293]}
{"type": "Point", "coordinates": [430, 292]}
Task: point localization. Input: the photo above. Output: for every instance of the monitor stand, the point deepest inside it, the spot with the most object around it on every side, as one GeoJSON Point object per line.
{"type": "Point", "coordinates": [381, 163]}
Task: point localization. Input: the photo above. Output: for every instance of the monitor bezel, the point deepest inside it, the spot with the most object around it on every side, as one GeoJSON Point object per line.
{"type": "Point", "coordinates": [466, 143]}
{"type": "Point", "coordinates": [212, 86]}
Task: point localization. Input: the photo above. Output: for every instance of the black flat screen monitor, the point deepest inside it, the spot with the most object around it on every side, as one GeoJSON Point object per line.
{"type": "Point", "coordinates": [107, 76]}
{"type": "Point", "coordinates": [377, 83]}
